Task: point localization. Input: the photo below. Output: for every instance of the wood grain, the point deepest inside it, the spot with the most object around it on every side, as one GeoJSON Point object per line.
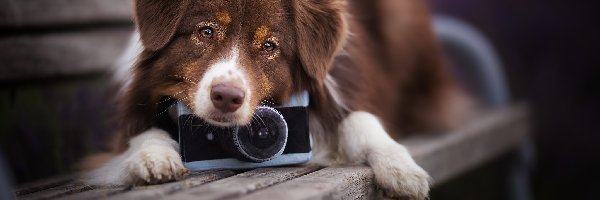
{"type": "Point", "coordinates": [244, 183]}
{"type": "Point", "coordinates": [160, 191]}
{"type": "Point", "coordinates": [350, 182]}
{"type": "Point", "coordinates": [60, 54]}
{"type": "Point", "coordinates": [44, 184]}
{"type": "Point", "coordinates": [450, 154]}
{"type": "Point", "coordinates": [58, 191]}
{"type": "Point", "coordinates": [96, 193]}
{"type": "Point", "coordinates": [153, 191]}
{"type": "Point", "coordinates": [45, 13]}
{"type": "Point", "coordinates": [444, 156]}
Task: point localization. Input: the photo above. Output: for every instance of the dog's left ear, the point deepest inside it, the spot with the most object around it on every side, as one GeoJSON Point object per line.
{"type": "Point", "coordinates": [157, 20]}
{"type": "Point", "coordinates": [322, 31]}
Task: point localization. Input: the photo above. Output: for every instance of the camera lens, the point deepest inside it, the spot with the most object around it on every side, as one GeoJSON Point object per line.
{"type": "Point", "coordinates": [262, 140]}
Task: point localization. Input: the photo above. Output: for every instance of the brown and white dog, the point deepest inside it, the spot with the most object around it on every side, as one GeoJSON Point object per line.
{"type": "Point", "coordinates": [372, 69]}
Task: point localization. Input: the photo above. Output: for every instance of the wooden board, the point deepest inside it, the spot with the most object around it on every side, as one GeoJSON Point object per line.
{"type": "Point", "coordinates": [15, 14]}
{"type": "Point", "coordinates": [47, 126]}
{"type": "Point", "coordinates": [153, 191]}
{"type": "Point", "coordinates": [43, 184]}
{"type": "Point", "coordinates": [350, 182]}
{"type": "Point", "coordinates": [60, 54]}
{"type": "Point", "coordinates": [160, 191]}
{"type": "Point", "coordinates": [444, 156]}
{"type": "Point", "coordinates": [447, 155]}
{"type": "Point", "coordinates": [244, 183]}
{"type": "Point", "coordinates": [58, 191]}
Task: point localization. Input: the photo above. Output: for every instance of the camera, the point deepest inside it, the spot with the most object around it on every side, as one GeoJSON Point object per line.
{"type": "Point", "coordinates": [276, 135]}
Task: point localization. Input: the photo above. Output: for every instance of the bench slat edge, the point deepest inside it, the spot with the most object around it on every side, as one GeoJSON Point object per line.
{"type": "Point", "coordinates": [451, 154]}
{"type": "Point", "coordinates": [61, 54]}
{"type": "Point", "coordinates": [349, 182]}
{"type": "Point", "coordinates": [44, 13]}
{"type": "Point", "coordinates": [160, 191]}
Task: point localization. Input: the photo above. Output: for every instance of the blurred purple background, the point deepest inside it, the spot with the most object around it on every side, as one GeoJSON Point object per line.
{"type": "Point", "coordinates": [550, 52]}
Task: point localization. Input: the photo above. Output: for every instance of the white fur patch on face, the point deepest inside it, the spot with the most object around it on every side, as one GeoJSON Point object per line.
{"type": "Point", "coordinates": [225, 71]}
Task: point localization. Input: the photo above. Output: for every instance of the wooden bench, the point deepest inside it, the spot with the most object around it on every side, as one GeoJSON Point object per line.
{"type": "Point", "coordinates": [43, 40]}
{"type": "Point", "coordinates": [444, 156]}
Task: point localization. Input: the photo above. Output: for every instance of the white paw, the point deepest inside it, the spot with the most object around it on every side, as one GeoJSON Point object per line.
{"type": "Point", "coordinates": [154, 164]}
{"type": "Point", "coordinates": [399, 176]}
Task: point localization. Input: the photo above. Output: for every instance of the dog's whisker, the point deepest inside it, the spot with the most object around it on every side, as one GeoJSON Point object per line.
{"type": "Point", "coordinates": [168, 99]}
{"type": "Point", "coordinates": [253, 119]}
{"type": "Point", "coordinates": [185, 78]}
{"type": "Point", "coordinates": [261, 120]}
{"type": "Point", "coordinates": [163, 112]}
{"type": "Point", "coordinates": [163, 101]}
{"type": "Point", "coordinates": [189, 120]}
{"type": "Point", "coordinates": [184, 98]}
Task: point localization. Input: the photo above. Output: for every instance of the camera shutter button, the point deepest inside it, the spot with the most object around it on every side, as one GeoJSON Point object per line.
{"type": "Point", "coordinates": [210, 136]}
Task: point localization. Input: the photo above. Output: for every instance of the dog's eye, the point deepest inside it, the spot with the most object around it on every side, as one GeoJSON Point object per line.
{"type": "Point", "coordinates": [268, 46]}
{"type": "Point", "coordinates": [206, 32]}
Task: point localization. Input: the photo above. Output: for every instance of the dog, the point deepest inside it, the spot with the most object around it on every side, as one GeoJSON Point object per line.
{"type": "Point", "coordinates": [372, 68]}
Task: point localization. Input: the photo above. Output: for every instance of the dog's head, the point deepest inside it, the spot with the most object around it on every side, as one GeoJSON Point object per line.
{"type": "Point", "coordinates": [224, 58]}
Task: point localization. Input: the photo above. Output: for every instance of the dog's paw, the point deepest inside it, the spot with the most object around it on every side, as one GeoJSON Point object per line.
{"type": "Point", "coordinates": [399, 177]}
{"type": "Point", "coordinates": [155, 164]}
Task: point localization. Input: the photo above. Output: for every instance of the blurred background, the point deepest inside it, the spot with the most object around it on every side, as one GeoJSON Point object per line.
{"type": "Point", "coordinates": [55, 97]}
{"type": "Point", "coordinates": [550, 53]}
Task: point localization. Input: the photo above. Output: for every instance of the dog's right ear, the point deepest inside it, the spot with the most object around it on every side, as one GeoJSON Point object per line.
{"type": "Point", "coordinates": [321, 30]}
{"type": "Point", "coordinates": [157, 20]}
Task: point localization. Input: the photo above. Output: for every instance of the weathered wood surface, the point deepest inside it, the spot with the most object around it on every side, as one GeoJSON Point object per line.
{"type": "Point", "coordinates": [54, 38]}
{"type": "Point", "coordinates": [61, 54]}
{"type": "Point", "coordinates": [160, 191]}
{"type": "Point", "coordinates": [43, 184]}
{"type": "Point", "coordinates": [58, 191]}
{"type": "Point", "coordinates": [342, 182]}
{"type": "Point", "coordinates": [153, 191]}
{"type": "Point", "coordinates": [244, 183]}
{"type": "Point", "coordinates": [447, 155]}
{"type": "Point", "coordinates": [15, 14]}
{"type": "Point", "coordinates": [444, 156]}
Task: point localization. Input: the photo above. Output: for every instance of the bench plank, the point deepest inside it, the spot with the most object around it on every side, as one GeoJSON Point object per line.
{"type": "Point", "coordinates": [44, 184]}
{"type": "Point", "coordinates": [443, 155]}
{"type": "Point", "coordinates": [244, 183]}
{"type": "Point", "coordinates": [44, 13]}
{"type": "Point", "coordinates": [448, 155]}
{"type": "Point", "coordinates": [348, 182]}
{"type": "Point", "coordinates": [96, 193]}
{"type": "Point", "coordinates": [55, 192]}
{"type": "Point", "coordinates": [160, 191]}
{"type": "Point", "coordinates": [195, 178]}
{"type": "Point", "coordinates": [61, 54]}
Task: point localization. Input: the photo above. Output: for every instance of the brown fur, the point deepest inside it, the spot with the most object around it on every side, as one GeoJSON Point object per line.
{"type": "Point", "coordinates": [375, 56]}
{"type": "Point", "coordinates": [390, 68]}
{"type": "Point", "coordinates": [382, 54]}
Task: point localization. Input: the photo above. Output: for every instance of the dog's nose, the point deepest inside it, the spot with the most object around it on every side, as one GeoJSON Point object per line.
{"type": "Point", "coordinates": [227, 98]}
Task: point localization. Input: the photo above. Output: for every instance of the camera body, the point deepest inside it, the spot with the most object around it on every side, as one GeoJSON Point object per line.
{"type": "Point", "coordinates": [276, 136]}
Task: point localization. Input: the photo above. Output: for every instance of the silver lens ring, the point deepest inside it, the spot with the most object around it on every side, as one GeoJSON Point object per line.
{"type": "Point", "coordinates": [264, 139]}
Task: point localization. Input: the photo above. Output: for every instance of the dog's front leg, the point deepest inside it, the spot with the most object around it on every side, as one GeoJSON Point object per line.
{"type": "Point", "coordinates": [363, 139]}
{"type": "Point", "coordinates": [152, 157]}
